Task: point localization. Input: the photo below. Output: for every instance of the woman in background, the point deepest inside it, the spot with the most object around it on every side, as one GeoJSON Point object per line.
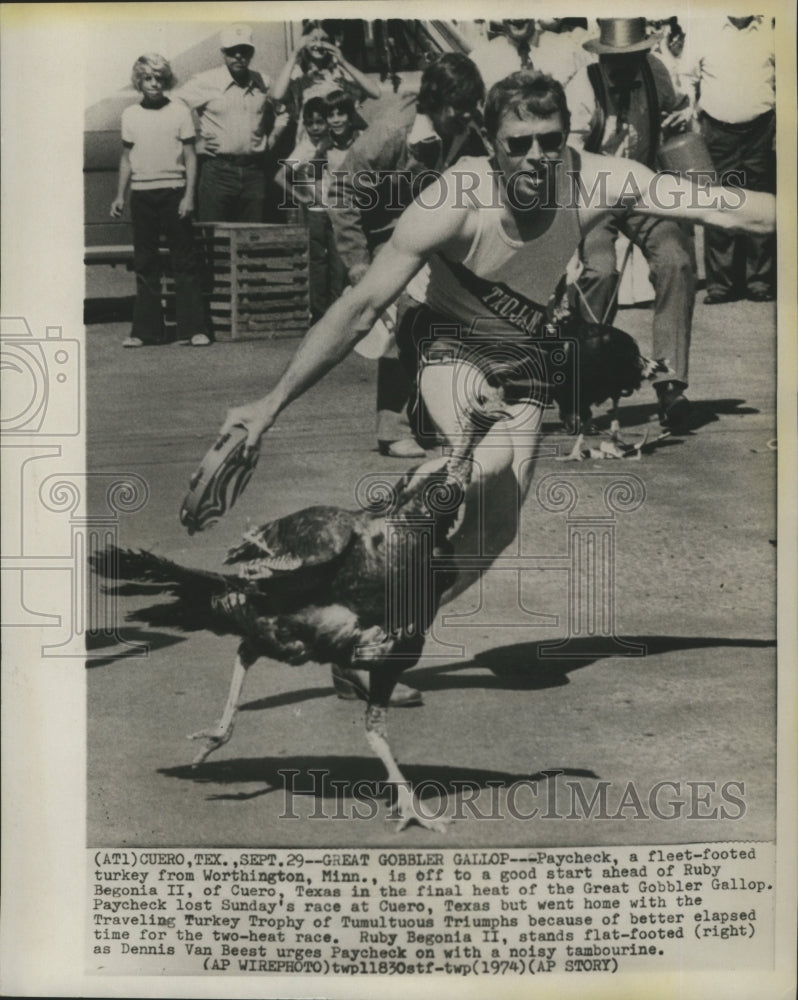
{"type": "Point", "coordinates": [315, 68]}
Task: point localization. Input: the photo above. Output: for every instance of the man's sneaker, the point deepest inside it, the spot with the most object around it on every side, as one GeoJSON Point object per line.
{"type": "Point", "coordinates": [404, 448]}
{"type": "Point", "coordinates": [200, 340]}
{"type": "Point", "coordinates": [674, 407]}
{"type": "Point", "coordinates": [132, 342]}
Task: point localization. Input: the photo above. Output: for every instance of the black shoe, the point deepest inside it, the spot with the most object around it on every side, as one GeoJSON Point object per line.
{"type": "Point", "coordinates": [674, 407]}
{"type": "Point", "coordinates": [761, 295]}
{"type": "Point", "coordinates": [719, 298]}
{"type": "Point", "coordinates": [349, 687]}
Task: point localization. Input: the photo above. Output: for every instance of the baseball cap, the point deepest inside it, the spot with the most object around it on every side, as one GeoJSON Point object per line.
{"type": "Point", "coordinates": [237, 34]}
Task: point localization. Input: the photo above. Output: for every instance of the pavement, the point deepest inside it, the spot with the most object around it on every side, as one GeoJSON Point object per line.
{"type": "Point", "coordinates": [504, 727]}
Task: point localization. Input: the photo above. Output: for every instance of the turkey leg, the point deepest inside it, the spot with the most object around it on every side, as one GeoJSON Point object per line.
{"type": "Point", "coordinates": [219, 734]}
{"type": "Point", "coordinates": [380, 688]}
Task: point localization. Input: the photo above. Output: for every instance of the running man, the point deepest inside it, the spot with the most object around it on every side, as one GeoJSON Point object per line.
{"type": "Point", "coordinates": [497, 234]}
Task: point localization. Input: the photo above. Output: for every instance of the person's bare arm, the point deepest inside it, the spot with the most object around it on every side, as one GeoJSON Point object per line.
{"type": "Point", "coordinates": [612, 182]}
{"type": "Point", "coordinates": [369, 87]}
{"type": "Point", "coordinates": [125, 171]}
{"type": "Point", "coordinates": [280, 86]}
{"type": "Point", "coordinates": [187, 201]}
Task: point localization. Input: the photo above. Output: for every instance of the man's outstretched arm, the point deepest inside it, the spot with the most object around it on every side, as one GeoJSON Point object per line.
{"type": "Point", "coordinates": [625, 183]}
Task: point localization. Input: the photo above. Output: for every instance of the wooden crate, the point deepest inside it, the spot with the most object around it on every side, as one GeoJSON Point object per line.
{"type": "Point", "coordinates": [255, 279]}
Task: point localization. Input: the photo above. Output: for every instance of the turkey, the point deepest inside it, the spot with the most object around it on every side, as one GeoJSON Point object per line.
{"type": "Point", "coordinates": [584, 364]}
{"type": "Point", "coordinates": [610, 363]}
{"type": "Point", "coordinates": [610, 366]}
{"type": "Point", "coordinates": [326, 585]}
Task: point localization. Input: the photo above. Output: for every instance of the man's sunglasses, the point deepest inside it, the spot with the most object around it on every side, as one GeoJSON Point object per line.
{"type": "Point", "coordinates": [244, 51]}
{"type": "Point", "coordinates": [519, 145]}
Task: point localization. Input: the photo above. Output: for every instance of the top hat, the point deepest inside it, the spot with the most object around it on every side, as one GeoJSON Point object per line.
{"type": "Point", "coordinates": [620, 35]}
{"type": "Point", "coordinates": [237, 34]}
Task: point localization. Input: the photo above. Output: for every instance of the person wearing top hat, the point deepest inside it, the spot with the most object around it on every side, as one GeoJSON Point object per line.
{"type": "Point", "coordinates": [620, 106]}
{"type": "Point", "coordinates": [237, 123]}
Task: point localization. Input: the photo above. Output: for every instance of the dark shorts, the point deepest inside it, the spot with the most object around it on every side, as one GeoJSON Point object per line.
{"type": "Point", "coordinates": [530, 369]}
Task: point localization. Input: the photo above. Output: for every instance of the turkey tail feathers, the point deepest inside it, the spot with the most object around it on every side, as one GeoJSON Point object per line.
{"type": "Point", "coordinates": [140, 566]}
{"type": "Point", "coordinates": [151, 574]}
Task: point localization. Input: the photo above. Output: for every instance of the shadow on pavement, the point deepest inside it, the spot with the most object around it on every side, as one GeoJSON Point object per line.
{"type": "Point", "coordinates": [702, 412]}
{"type": "Point", "coordinates": [323, 777]}
{"type": "Point", "coordinates": [519, 667]}
{"type": "Point", "coordinates": [132, 637]}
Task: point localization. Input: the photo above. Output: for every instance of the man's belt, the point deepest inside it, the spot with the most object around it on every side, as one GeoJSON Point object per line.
{"type": "Point", "coordinates": [240, 159]}
{"type": "Point", "coordinates": [738, 126]}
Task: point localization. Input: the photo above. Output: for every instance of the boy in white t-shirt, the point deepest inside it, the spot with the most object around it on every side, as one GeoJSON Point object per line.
{"type": "Point", "coordinates": [160, 164]}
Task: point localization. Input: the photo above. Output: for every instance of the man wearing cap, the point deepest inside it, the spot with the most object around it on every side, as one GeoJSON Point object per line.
{"type": "Point", "coordinates": [236, 124]}
{"type": "Point", "coordinates": [617, 106]}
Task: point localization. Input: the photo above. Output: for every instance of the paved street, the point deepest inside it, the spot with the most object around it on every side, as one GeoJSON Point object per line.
{"type": "Point", "coordinates": [694, 587]}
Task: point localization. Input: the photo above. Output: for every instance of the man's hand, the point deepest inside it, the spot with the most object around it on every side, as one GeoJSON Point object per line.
{"type": "Point", "coordinates": [185, 208]}
{"type": "Point", "coordinates": [117, 206]}
{"type": "Point", "coordinates": [256, 418]}
{"type": "Point", "coordinates": [329, 47]}
{"type": "Point", "coordinates": [678, 121]}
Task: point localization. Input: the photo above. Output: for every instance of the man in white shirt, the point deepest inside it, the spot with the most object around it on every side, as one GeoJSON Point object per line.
{"type": "Point", "coordinates": [237, 123]}
{"type": "Point", "coordinates": [732, 66]}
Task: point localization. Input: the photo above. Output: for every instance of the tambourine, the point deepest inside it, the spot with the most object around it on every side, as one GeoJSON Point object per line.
{"type": "Point", "coordinates": [219, 481]}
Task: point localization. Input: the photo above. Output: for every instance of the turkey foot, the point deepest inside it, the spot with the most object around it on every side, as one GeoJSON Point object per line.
{"type": "Point", "coordinates": [407, 813]}
{"type": "Point", "coordinates": [215, 738]}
